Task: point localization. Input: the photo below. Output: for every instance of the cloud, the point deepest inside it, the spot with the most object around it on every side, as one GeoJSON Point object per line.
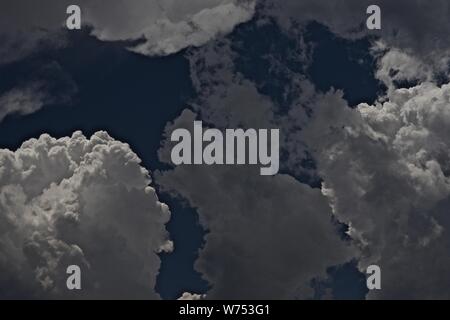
{"type": "Point", "coordinates": [48, 85]}
{"type": "Point", "coordinates": [268, 237]}
{"type": "Point", "coordinates": [222, 92]}
{"type": "Point", "coordinates": [78, 201]}
{"type": "Point", "coordinates": [27, 26]}
{"type": "Point", "coordinates": [226, 99]}
{"type": "Point", "coordinates": [24, 101]}
{"type": "Point", "coordinates": [191, 296]}
{"type": "Point", "coordinates": [386, 173]}
{"type": "Point", "coordinates": [165, 36]}
{"type": "Point", "coordinates": [384, 166]}
{"type": "Point", "coordinates": [417, 27]}
{"type": "Point", "coordinates": [164, 27]}
{"type": "Point", "coordinates": [397, 67]}
{"type": "Point", "coordinates": [384, 169]}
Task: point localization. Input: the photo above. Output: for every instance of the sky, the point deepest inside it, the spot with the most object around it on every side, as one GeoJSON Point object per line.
{"type": "Point", "coordinates": [86, 176]}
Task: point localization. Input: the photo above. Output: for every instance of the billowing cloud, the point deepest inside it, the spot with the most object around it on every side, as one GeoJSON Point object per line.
{"type": "Point", "coordinates": [23, 101]}
{"type": "Point", "coordinates": [78, 201]}
{"type": "Point", "coordinates": [222, 93]}
{"type": "Point", "coordinates": [169, 35]}
{"type": "Point", "coordinates": [384, 167]}
{"type": "Point", "coordinates": [386, 173]}
{"type": "Point", "coordinates": [268, 237]}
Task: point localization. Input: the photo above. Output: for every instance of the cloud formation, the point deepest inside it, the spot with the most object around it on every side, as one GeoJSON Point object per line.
{"type": "Point", "coordinates": [386, 173]}
{"type": "Point", "coordinates": [78, 201]}
{"type": "Point", "coordinates": [49, 85]}
{"type": "Point", "coordinates": [384, 167]}
{"type": "Point", "coordinates": [417, 27]}
{"type": "Point", "coordinates": [268, 237]}
{"type": "Point", "coordinates": [164, 27]}
{"type": "Point", "coordinates": [23, 101]}
{"type": "Point", "coordinates": [191, 296]}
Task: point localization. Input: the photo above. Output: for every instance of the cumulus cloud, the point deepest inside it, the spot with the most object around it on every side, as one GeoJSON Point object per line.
{"type": "Point", "coordinates": [26, 26]}
{"type": "Point", "coordinates": [164, 27]}
{"type": "Point", "coordinates": [226, 99]}
{"type": "Point", "coordinates": [268, 237]}
{"type": "Point", "coordinates": [384, 167]}
{"type": "Point", "coordinates": [165, 36]}
{"type": "Point", "coordinates": [222, 93]}
{"type": "Point", "coordinates": [396, 67]}
{"type": "Point", "coordinates": [24, 101]}
{"type": "Point", "coordinates": [78, 201]}
{"type": "Point", "coordinates": [386, 173]}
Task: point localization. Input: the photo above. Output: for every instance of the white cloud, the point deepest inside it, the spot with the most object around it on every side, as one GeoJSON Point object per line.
{"type": "Point", "coordinates": [78, 201]}
{"type": "Point", "coordinates": [226, 99]}
{"type": "Point", "coordinates": [386, 172]}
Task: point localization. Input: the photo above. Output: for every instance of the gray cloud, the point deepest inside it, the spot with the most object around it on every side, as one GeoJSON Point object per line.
{"type": "Point", "coordinates": [49, 84]}
{"type": "Point", "coordinates": [396, 66]}
{"type": "Point", "coordinates": [78, 201]}
{"type": "Point", "coordinates": [191, 296]}
{"type": "Point", "coordinates": [417, 27]}
{"type": "Point", "coordinates": [23, 101]}
{"type": "Point", "coordinates": [164, 26]}
{"type": "Point", "coordinates": [384, 167]}
{"type": "Point", "coordinates": [226, 99]}
{"type": "Point", "coordinates": [386, 174]}
{"type": "Point", "coordinates": [222, 93]}
{"type": "Point", "coordinates": [268, 236]}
